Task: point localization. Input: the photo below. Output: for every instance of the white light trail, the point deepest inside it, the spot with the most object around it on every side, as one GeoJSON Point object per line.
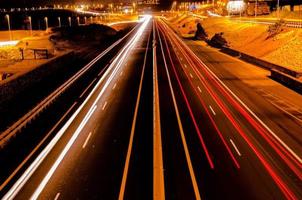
{"type": "Point", "coordinates": [115, 65]}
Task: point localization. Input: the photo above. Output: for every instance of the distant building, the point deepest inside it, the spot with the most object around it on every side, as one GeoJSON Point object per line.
{"type": "Point", "coordinates": [147, 2]}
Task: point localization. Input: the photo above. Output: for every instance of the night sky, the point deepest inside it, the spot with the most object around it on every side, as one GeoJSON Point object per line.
{"type": "Point", "coordinates": [29, 3]}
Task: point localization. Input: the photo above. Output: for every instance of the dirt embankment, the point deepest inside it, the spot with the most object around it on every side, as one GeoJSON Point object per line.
{"type": "Point", "coordinates": [285, 48]}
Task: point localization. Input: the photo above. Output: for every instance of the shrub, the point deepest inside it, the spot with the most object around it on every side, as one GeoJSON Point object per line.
{"type": "Point", "coordinates": [275, 28]}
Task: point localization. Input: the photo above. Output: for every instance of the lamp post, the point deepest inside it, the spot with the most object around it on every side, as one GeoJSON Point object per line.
{"type": "Point", "coordinates": [278, 8]}
{"type": "Point", "coordinates": [59, 20]}
{"type": "Point", "coordinates": [30, 26]}
{"type": "Point", "coordinates": [69, 21]}
{"type": "Point", "coordinates": [46, 22]}
{"type": "Point", "coordinates": [256, 8]}
{"type": "Point", "coordinates": [8, 24]}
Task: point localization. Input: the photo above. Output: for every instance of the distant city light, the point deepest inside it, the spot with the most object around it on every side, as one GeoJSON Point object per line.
{"type": "Point", "coordinates": [9, 43]}
{"type": "Point", "coordinates": [236, 7]}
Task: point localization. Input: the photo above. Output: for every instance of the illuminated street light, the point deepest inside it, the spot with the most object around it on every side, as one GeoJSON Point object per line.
{"type": "Point", "coordinates": [30, 26]}
{"type": "Point", "coordinates": [46, 22]}
{"type": "Point", "coordinates": [69, 21]}
{"type": "Point", "coordinates": [278, 8]}
{"type": "Point", "coordinates": [78, 20]}
{"type": "Point", "coordinates": [59, 20]}
{"type": "Point", "coordinates": [8, 24]}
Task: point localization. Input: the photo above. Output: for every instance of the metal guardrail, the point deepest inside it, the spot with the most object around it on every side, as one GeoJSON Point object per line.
{"type": "Point", "coordinates": [27, 118]}
{"type": "Point", "coordinates": [288, 23]}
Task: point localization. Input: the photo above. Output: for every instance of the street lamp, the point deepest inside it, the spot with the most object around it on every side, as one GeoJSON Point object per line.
{"type": "Point", "coordinates": [78, 20]}
{"type": "Point", "coordinates": [256, 5]}
{"type": "Point", "coordinates": [59, 20]}
{"type": "Point", "coordinates": [278, 8]}
{"type": "Point", "coordinates": [30, 26]}
{"type": "Point", "coordinates": [8, 24]}
{"type": "Point", "coordinates": [46, 22]}
{"type": "Point", "coordinates": [69, 21]}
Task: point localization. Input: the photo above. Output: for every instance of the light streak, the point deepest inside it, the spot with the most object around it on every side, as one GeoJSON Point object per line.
{"type": "Point", "coordinates": [36, 163]}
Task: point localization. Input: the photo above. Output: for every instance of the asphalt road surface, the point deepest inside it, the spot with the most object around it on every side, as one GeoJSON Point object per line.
{"type": "Point", "coordinates": [160, 125]}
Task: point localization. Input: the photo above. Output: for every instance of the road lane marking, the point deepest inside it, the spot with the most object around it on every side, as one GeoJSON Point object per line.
{"type": "Point", "coordinates": [199, 89]}
{"type": "Point", "coordinates": [191, 75]}
{"type": "Point", "coordinates": [297, 157]}
{"type": "Point", "coordinates": [104, 106]}
{"type": "Point", "coordinates": [87, 88]}
{"type": "Point", "coordinates": [212, 110]}
{"type": "Point", "coordinates": [235, 147]}
{"type": "Point", "coordinates": [158, 166]}
{"type": "Point", "coordinates": [129, 150]}
{"type": "Point", "coordinates": [101, 72]}
{"type": "Point", "coordinates": [114, 67]}
{"type": "Point", "coordinates": [282, 186]}
{"type": "Point", "coordinates": [86, 141]}
{"type": "Point", "coordinates": [291, 152]}
{"type": "Point", "coordinates": [183, 138]}
{"type": "Point", "coordinates": [63, 153]}
{"type": "Point", "coordinates": [185, 66]}
{"type": "Point", "coordinates": [57, 196]}
{"type": "Point", "coordinates": [114, 86]}
{"type": "Point", "coordinates": [189, 107]}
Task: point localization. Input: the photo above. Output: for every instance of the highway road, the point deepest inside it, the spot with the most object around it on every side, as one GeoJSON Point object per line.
{"type": "Point", "coordinates": [159, 124]}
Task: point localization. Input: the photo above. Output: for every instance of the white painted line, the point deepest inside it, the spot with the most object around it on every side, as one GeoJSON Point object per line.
{"type": "Point", "coordinates": [248, 109]}
{"type": "Point", "coordinates": [235, 147]}
{"type": "Point", "coordinates": [114, 86]}
{"type": "Point", "coordinates": [57, 196]}
{"type": "Point", "coordinates": [199, 89]}
{"type": "Point", "coordinates": [87, 88]}
{"type": "Point", "coordinates": [101, 72]}
{"type": "Point", "coordinates": [36, 163]}
{"type": "Point", "coordinates": [104, 106]}
{"type": "Point", "coordinates": [86, 141]}
{"type": "Point", "coordinates": [191, 75]}
{"type": "Point", "coordinates": [63, 153]}
{"type": "Point", "coordinates": [212, 110]}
